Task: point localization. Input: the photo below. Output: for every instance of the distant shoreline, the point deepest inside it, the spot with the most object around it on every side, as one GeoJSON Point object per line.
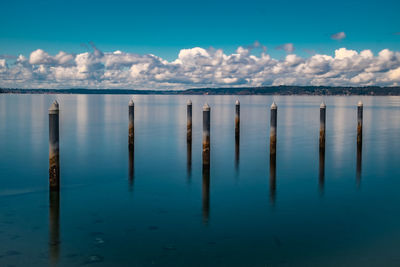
{"type": "Point", "coordinates": [268, 90]}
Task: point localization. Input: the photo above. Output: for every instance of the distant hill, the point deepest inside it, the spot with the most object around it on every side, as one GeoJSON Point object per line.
{"type": "Point", "coordinates": [267, 90]}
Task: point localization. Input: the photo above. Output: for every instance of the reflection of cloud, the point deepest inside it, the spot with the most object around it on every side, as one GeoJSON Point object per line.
{"type": "Point", "coordinates": [199, 67]}
{"type": "Point", "coordinates": [81, 116]}
{"type": "Point", "coordinates": [339, 128]}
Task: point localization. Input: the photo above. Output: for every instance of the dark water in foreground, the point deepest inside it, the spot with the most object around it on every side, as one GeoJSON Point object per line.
{"type": "Point", "coordinates": [343, 212]}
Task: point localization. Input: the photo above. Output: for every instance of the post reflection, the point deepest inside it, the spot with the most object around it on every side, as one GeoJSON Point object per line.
{"type": "Point", "coordinates": [321, 179]}
{"type": "Point", "coordinates": [189, 159]}
{"type": "Point", "coordinates": [131, 165]}
{"type": "Point", "coordinates": [206, 193]}
{"type": "Point", "coordinates": [54, 227]}
{"type": "Point", "coordinates": [272, 178]}
{"type": "Point", "coordinates": [359, 161]}
{"type": "Point", "coordinates": [237, 151]}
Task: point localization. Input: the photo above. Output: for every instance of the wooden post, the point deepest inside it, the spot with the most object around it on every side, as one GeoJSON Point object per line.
{"type": "Point", "coordinates": [237, 119]}
{"type": "Point", "coordinates": [237, 133]}
{"type": "Point", "coordinates": [272, 138]}
{"type": "Point", "coordinates": [131, 142]}
{"type": "Point", "coordinates": [206, 134]}
{"type": "Point", "coordinates": [131, 135]}
{"type": "Point", "coordinates": [189, 139]}
{"type": "Point", "coordinates": [189, 120]}
{"type": "Point", "coordinates": [359, 122]}
{"type": "Point", "coordinates": [322, 119]}
{"type": "Point", "coordinates": [206, 162]}
{"type": "Point", "coordinates": [54, 149]}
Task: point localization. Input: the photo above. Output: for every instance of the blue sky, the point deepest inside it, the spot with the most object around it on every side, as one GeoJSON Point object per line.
{"type": "Point", "coordinates": [165, 27]}
{"type": "Point", "coordinates": [183, 44]}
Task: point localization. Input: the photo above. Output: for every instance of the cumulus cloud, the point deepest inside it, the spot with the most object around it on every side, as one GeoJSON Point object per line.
{"type": "Point", "coordinates": [199, 67]}
{"type": "Point", "coordinates": [289, 47]}
{"type": "Point", "coordinates": [338, 36]}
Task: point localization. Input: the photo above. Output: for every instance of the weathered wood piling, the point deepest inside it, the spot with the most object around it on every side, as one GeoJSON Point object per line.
{"type": "Point", "coordinates": [237, 133]}
{"type": "Point", "coordinates": [206, 162]}
{"type": "Point", "coordinates": [189, 120]}
{"type": "Point", "coordinates": [54, 149]}
{"type": "Point", "coordinates": [359, 140]}
{"type": "Point", "coordinates": [131, 142]}
{"type": "Point", "coordinates": [189, 138]}
{"type": "Point", "coordinates": [272, 135]}
{"type": "Point", "coordinates": [131, 135]}
{"type": "Point", "coordinates": [359, 121]}
{"type": "Point", "coordinates": [206, 134]}
{"type": "Point", "coordinates": [322, 127]}
{"type": "Point", "coordinates": [237, 120]}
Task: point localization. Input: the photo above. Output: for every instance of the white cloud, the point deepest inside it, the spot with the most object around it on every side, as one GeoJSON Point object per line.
{"type": "Point", "coordinates": [338, 36]}
{"type": "Point", "coordinates": [3, 63]}
{"type": "Point", "coordinates": [40, 57]}
{"type": "Point", "coordinates": [343, 53]}
{"type": "Point", "coordinates": [394, 75]}
{"type": "Point", "coordinates": [199, 67]}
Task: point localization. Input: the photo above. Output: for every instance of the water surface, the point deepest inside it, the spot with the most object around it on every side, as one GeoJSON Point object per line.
{"type": "Point", "coordinates": [156, 206]}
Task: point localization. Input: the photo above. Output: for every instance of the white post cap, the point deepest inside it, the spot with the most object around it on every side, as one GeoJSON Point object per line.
{"type": "Point", "coordinates": [54, 108]}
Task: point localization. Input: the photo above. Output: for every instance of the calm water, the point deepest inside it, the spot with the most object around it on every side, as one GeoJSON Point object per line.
{"type": "Point", "coordinates": [343, 212]}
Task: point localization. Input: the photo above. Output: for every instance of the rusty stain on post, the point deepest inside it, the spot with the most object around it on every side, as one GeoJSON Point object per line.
{"type": "Point", "coordinates": [54, 149]}
{"type": "Point", "coordinates": [359, 121]}
{"type": "Point", "coordinates": [131, 137]}
{"type": "Point", "coordinates": [272, 138]}
{"type": "Point", "coordinates": [322, 127]}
